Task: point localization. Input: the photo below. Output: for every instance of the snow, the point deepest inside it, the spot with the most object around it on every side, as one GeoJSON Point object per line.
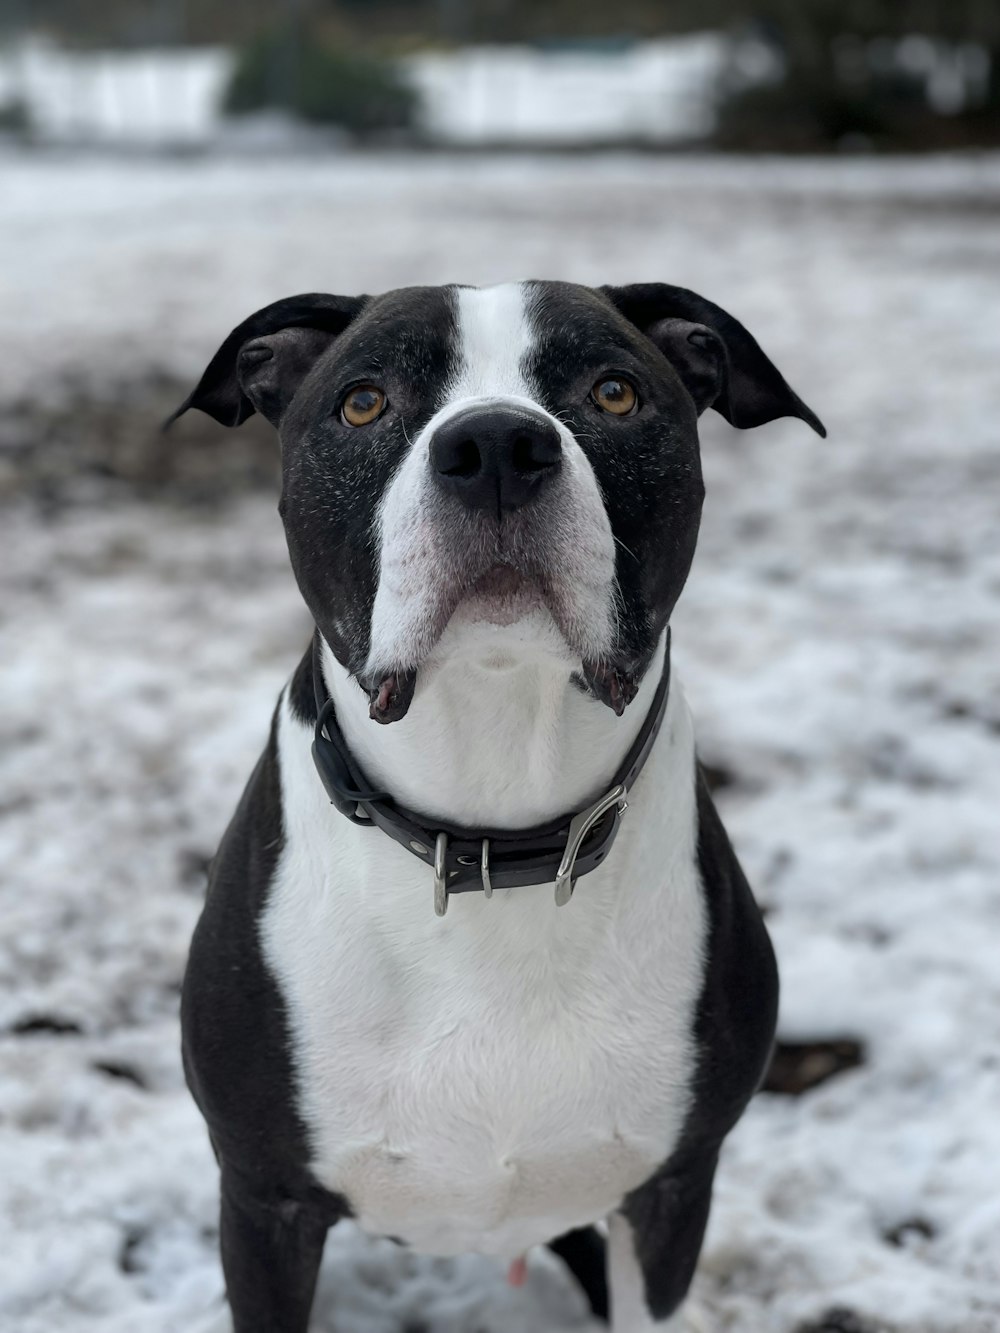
{"type": "Point", "coordinates": [837, 639]}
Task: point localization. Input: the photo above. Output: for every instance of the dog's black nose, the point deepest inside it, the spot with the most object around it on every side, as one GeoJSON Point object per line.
{"type": "Point", "coordinates": [495, 458]}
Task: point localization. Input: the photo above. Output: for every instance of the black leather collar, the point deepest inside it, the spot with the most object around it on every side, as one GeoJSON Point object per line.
{"type": "Point", "coordinates": [484, 859]}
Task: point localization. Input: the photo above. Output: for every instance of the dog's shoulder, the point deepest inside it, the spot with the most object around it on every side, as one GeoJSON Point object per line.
{"type": "Point", "coordinates": [737, 1010]}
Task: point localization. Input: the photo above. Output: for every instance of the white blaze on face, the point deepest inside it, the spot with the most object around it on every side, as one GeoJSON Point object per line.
{"type": "Point", "coordinates": [495, 338]}
{"type": "Point", "coordinates": [432, 549]}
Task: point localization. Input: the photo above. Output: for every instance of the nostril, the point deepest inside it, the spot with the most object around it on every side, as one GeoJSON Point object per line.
{"type": "Point", "coordinates": [462, 459]}
{"type": "Point", "coordinates": [534, 453]}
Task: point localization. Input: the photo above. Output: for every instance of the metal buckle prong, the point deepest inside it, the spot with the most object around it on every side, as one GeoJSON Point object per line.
{"type": "Point", "coordinates": [484, 869]}
{"type": "Point", "coordinates": [440, 875]}
{"type": "Point", "coordinates": [579, 826]}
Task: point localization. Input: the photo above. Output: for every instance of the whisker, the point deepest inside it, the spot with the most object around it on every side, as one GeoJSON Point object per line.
{"type": "Point", "coordinates": [628, 549]}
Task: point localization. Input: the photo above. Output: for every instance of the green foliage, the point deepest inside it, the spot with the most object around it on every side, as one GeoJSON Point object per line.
{"type": "Point", "coordinates": [814, 110]}
{"type": "Point", "coordinates": [296, 71]}
{"type": "Point", "coordinates": [858, 79]}
{"type": "Point", "coordinates": [14, 119]}
{"type": "Point", "coordinates": [139, 22]}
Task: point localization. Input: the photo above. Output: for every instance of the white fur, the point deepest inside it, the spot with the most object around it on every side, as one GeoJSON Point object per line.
{"type": "Point", "coordinates": [426, 548]}
{"type": "Point", "coordinates": [494, 336]}
{"type": "Point", "coordinates": [488, 1080]}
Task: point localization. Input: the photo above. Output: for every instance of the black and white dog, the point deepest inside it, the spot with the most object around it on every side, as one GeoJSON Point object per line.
{"type": "Point", "coordinates": [397, 1009]}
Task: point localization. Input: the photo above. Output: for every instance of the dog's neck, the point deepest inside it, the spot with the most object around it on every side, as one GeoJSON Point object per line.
{"type": "Point", "coordinates": [488, 746]}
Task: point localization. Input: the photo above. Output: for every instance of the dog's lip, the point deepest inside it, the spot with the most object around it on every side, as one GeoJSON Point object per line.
{"type": "Point", "coordinates": [390, 696]}
{"type": "Point", "coordinates": [612, 683]}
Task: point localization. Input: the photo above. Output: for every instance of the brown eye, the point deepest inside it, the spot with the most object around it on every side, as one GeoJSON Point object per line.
{"type": "Point", "coordinates": [362, 405]}
{"type": "Point", "coordinates": [615, 395]}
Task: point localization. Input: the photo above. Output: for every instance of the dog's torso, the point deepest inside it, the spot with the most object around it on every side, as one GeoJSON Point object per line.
{"type": "Point", "coordinates": [492, 1080]}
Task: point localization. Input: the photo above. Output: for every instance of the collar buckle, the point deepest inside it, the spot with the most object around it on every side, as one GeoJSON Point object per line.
{"type": "Point", "coordinates": [579, 826]}
{"type": "Point", "coordinates": [441, 872]}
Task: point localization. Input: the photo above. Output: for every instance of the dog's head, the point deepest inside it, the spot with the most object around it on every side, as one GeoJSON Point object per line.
{"type": "Point", "coordinates": [508, 470]}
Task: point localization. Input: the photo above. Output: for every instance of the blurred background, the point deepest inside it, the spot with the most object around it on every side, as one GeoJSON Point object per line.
{"type": "Point", "coordinates": [829, 173]}
{"type": "Point", "coordinates": [802, 75]}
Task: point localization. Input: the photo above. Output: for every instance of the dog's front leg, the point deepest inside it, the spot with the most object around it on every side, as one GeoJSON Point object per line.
{"type": "Point", "coordinates": [653, 1247]}
{"type": "Point", "coordinates": [271, 1251]}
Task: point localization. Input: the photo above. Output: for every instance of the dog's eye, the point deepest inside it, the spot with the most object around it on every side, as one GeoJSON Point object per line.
{"type": "Point", "coordinates": [615, 395]}
{"type": "Point", "coordinates": [362, 405]}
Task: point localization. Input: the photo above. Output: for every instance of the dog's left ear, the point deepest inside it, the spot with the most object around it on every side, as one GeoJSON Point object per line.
{"type": "Point", "coordinates": [718, 361]}
{"type": "Point", "coordinates": [264, 360]}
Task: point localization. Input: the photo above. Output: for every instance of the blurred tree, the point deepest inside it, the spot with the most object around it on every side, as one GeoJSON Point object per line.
{"type": "Point", "coordinates": [803, 21]}
{"type": "Point", "coordinates": [293, 68]}
{"type": "Point", "coordinates": [851, 78]}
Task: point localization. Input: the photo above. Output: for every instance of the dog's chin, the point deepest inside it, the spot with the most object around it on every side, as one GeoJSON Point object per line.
{"type": "Point", "coordinates": [502, 596]}
{"type": "Point", "coordinates": [502, 619]}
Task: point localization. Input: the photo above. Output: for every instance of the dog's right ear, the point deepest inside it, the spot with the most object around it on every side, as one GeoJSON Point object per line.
{"type": "Point", "coordinates": [264, 360]}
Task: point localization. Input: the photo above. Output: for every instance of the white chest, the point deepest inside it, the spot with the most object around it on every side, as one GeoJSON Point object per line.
{"type": "Point", "coordinates": [488, 1080]}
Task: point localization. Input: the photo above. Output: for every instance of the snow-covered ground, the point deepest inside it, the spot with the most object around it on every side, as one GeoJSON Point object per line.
{"type": "Point", "coordinates": [839, 641]}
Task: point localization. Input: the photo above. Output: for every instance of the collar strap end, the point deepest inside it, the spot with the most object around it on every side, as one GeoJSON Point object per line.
{"type": "Point", "coordinates": [579, 826]}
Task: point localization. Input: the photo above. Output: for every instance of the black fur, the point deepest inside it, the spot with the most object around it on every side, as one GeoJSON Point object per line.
{"type": "Point", "coordinates": [648, 466]}
{"type": "Point", "coordinates": [734, 1033]}
{"type": "Point", "coordinates": [583, 1253]}
{"type": "Point", "coordinates": [237, 1064]}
